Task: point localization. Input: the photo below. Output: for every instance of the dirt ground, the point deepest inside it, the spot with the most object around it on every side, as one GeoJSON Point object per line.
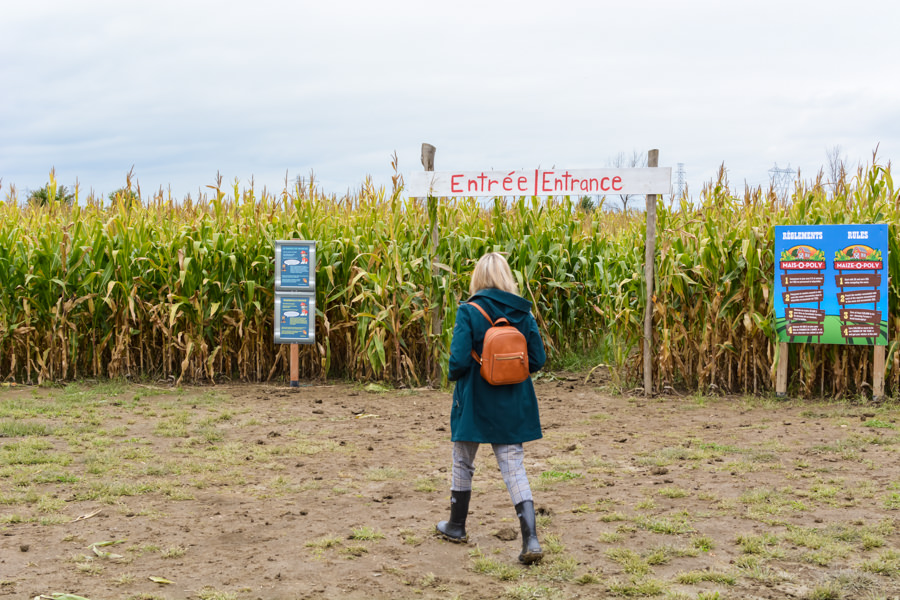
{"type": "Point", "coordinates": [332, 491]}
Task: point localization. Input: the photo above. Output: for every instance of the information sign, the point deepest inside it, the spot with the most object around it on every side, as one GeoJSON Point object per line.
{"type": "Point", "coordinates": [295, 265]}
{"type": "Point", "coordinates": [295, 317]}
{"type": "Point", "coordinates": [830, 284]}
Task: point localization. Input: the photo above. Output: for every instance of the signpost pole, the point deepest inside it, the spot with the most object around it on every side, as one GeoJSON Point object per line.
{"type": "Point", "coordinates": [428, 152]}
{"type": "Point", "coordinates": [295, 365]}
{"type": "Point", "coordinates": [781, 370]}
{"type": "Point", "coordinates": [878, 375]}
{"type": "Point", "coordinates": [649, 257]}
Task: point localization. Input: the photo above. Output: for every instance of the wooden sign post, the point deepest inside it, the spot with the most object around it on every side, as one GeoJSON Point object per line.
{"type": "Point", "coordinates": [437, 321]}
{"type": "Point", "coordinates": [649, 262]}
{"type": "Point", "coordinates": [650, 181]}
{"type": "Point", "coordinates": [295, 365]}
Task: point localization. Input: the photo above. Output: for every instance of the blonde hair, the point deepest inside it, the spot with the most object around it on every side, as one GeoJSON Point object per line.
{"type": "Point", "coordinates": [492, 271]}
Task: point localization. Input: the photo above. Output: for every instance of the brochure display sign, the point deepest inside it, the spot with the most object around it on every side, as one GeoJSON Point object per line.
{"type": "Point", "coordinates": [295, 265]}
{"type": "Point", "coordinates": [295, 318]}
{"type": "Point", "coordinates": [831, 284]}
{"type": "Point", "coordinates": [295, 292]}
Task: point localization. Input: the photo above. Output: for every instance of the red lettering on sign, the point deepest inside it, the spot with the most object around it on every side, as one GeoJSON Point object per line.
{"type": "Point", "coordinates": [454, 184]}
{"type": "Point", "coordinates": [523, 183]}
{"type": "Point", "coordinates": [546, 186]}
{"type": "Point", "coordinates": [617, 181]}
{"type": "Point", "coordinates": [507, 182]}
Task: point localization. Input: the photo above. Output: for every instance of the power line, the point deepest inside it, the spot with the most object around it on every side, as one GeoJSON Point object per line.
{"type": "Point", "coordinates": [781, 180]}
{"type": "Point", "coordinates": [678, 189]}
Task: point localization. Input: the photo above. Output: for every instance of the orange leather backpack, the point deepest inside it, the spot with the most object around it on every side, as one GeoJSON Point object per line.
{"type": "Point", "coordinates": [504, 359]}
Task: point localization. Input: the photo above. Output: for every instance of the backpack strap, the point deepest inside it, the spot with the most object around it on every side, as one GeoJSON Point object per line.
{"type": "Point", "coordinates": [481, 310]}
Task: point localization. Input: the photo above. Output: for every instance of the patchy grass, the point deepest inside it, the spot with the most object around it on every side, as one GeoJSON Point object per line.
{"type": "Point", "coordinates": [675, 525]}
{"type": "Point", "coordinates": [211, 593]}
{"type": "Point", "coordinates": [673, 492]}
{"type": "Point", "coordinates": [328, 541]}
{"type": "Point", "coordinates": [764, 545]}
{"type": "Point", "coordinates": [366, 534]}
{"type": "Point", "coordinates": [642, 531]}
{"type": "Point", "coordinates": [385, 474]}
{"type": "Point", "coordinates": [887, 563]}
{"type": "Point", "coordinates": [695, 577]}
{"type": "Point", "coordinates": [630, 561]}
{"type": "Point", "coordinates": [493, 567]}
{"type": "Point", "coordinates": [11, 429]}
{"type": "Point", "coordinates": [548, 479]}
{"type": "Point", "coordinates": [636, 588]}
{"type": "Point", "coordinates": [429, 484]}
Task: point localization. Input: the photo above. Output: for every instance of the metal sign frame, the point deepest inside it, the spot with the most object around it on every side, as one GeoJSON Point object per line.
{"type": "Point", "coordinates": [295, 317]}
{"type": "Point", "coordinates": [295, 265]}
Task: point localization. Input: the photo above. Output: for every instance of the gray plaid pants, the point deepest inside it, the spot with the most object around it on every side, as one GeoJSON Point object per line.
{"type": "Point", "coordinates": [510, 459]}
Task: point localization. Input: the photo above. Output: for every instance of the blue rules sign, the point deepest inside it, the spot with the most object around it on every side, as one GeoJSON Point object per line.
{"type": "Point", "coordinates": [295, 318]}
{"type": "Point", "coordinates": [831, 284]}
{"type": "Point", "coordinates": [295, 265]}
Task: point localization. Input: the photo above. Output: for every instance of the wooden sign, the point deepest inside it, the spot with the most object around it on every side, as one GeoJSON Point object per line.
{"type": "Point", "coordinates": [805, 314]}
{"type": "Point", "coordinates": [859, 331]}
{"type": "Point", "coordinates": [868, 297]}
{"type": "Point", "coordinates": [856, 280]}
{"type": "Point", "coordinates": [802, 296]}
{"type": "Point", "coordinates": [537, 182]}
{"type": "Point", "coordinates": [805, 329]}
{"type": "Point", "coordinates": [802, 280]}
{"type": "Point", "coordinates": [860, 315]}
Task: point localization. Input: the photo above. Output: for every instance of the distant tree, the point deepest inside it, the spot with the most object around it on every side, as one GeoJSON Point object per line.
{"type": "Point", "coordinates": [47, 194]}
{"type": "Point", "coordinates": [637, 159]}
{"type": "Point", "coordinates": [586, 203]}
{"type": "Point", "coordinates": [125, 195]}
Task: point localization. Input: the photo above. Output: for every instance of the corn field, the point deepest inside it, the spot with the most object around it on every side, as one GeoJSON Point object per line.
{"type": "Point", "coordinates": [183, 290]}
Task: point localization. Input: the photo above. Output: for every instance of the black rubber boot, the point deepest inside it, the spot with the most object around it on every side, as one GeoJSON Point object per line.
{"type": "Point", "coordinates": [455, 529]}
{"type": "Point", "coordinates": [531, 548]}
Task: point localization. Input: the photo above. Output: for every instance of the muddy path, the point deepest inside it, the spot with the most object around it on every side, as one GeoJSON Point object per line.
{"type": "Point", "coordinates": [332, 491]}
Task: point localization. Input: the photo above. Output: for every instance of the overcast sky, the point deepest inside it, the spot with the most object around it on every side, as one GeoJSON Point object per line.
{"type": "Point", "coordinates": [185, 89]}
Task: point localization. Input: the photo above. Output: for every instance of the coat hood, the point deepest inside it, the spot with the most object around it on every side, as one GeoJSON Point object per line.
{"type": "Point", "coordinates": [498, 303]}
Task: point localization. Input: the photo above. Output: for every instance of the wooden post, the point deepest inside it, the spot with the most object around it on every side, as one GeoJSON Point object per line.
{"type": "Point", "coordinates": [649, 258]}
{"type": "Point", "coordinates": [295, 365]}
{"type": "Point", "coordinates": [428, 152]}
{"type": "Point", "coordinates": [428, 156]}
{"type": "Point", "coordinates": [781, 370]}
{"type": "Point", "coordinates": [878, 375]}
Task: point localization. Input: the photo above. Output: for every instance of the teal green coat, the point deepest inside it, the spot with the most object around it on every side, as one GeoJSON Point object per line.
{"type": "Point", "coordinates": [481, 412]}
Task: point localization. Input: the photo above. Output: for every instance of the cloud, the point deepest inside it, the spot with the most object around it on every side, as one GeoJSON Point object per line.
{"type": "Point", "coordinates": [183, 90]}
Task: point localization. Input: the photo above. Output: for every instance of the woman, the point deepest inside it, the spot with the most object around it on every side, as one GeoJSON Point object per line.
{"type": "Point", "coordinates": [504, 416]}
